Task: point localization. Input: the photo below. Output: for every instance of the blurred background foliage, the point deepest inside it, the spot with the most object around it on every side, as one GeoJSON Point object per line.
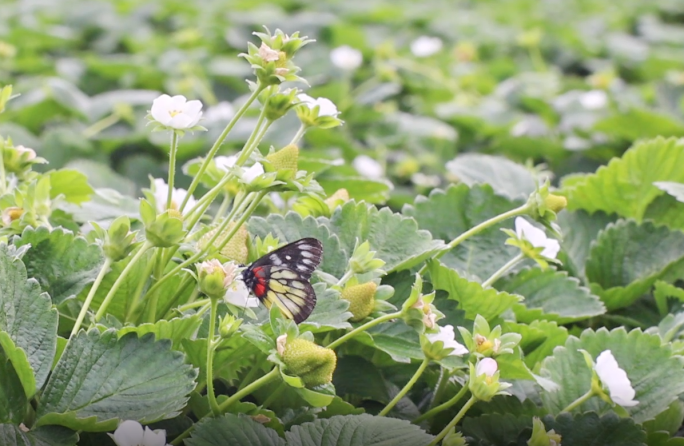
{"type": "Point", "coordinates": [558, 85]}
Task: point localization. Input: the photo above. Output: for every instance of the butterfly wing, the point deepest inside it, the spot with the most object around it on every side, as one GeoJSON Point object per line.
{"type": "Point", "coordinates": [281, 278]}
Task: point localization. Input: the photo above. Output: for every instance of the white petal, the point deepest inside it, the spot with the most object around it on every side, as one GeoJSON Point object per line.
{"type": "Point", "coordinates": [192, 107]}
{"type": "Point", "coordinates": [537, 238]}
{"type": "Point", "coordinates": [486, 366]}
{"type": "Point", "coordinates": [129, 433]}
{"type": "Point", "coordinates": [181, 121]}
{"type": "Point", "coordinates": [161, 190]}
{"type": "Point", "coordinates": [307, 100]}
{"type": "Point", "coordinates": [594, 99]}
{"type": "Point", "coordinates": [346, 58]}
{"type": "Point", "coordinates": [551, 249]}
{"type": "Point", "coordinates": [326, 107]}
{"type": "Point", "coordinates": [177, 102]}
{"type": "Point", "coordinates": [154, 438]}
{"type": "Point", "coordinates": [367, 167]}
{"type": "Point", "coordinates": [447, 336]}
{"type": "Point", "coordinates": [425, 46]}
{"type": "Point", "coordinates": [613, 377]}
{"type": "Point", "coordinates": [238, 295]}
{"type": "Point", "coordinates": [160, 109]}
{"type": "Point", "coordinates": [251, 173]}
{"type": "Point", "coordinates": [225, 162]}
{"type": "Point", "coordinates": [223, 111]}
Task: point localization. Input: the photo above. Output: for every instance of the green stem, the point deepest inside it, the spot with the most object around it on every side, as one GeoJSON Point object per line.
{"type": "Point", "coordinates": [112, 291]}
{"type": "Point", "coordinates": [172, 168]}
{"type": "Point", "coordinates": [138, 291]}
{"type": "Point", "coordinates": [211, 345]}
{"type": "Point", "coordinates": [477, 229]}
{"type": "Point", "coordinates": [275, 394]}
{"type": "Point", "coordinates": [444, 376]}
{"type": "Point", "coordinates": [91, 294]}
{"type": "Point", "coordinates": [3, 177]}
{"type": "Point", "coordinates": [339, 341]}
{"type": "Point", "coordinates": [237, 396]}
{"type": "Point", "coordinates": [191, 305]}
{"type": "Point", "coordinates": [406, 388]}
{"type": "Point", "coordinates": [182, 287]}
{"type": "Point", "coordinates": [444, 406]}
{"type": "Point", "coordinates": [503, 270]}
{"type": "Point", "coordinates": [101, 125]}
{"type": "Point", "coordinates": [461, 413]}
{"type": "Point", "coordinates": [223, 208]}
{"type": "Point", "coordinates": [537, 59]}
{"type": "Point", "coordinates": [580, 400]}
{"type": "Point", "coordinates": [212, 152]}
{"type": "Point", "coordinates": [302, 130]}
{"type": "Point", "coordinates": [344, 278]}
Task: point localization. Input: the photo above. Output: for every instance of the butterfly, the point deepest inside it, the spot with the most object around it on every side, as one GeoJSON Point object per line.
{"type": "Point", "coordinates": [281, 277]}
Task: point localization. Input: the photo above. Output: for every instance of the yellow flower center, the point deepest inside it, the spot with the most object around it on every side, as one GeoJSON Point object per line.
{"type": "Point", "coordinates": [173, 113]}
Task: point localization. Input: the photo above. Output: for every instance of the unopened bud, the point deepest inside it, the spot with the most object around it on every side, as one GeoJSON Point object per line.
{"type": "Point", "coordinates": [361, 299]}
{"type": "Point", "coordinates": [229, 325]}
{"type": "Point", "coordinates": [556, 203]}
{"type": "Point", "coordinates": [312, 363]}
{"type": "Point", "coordinates": [214, 278]}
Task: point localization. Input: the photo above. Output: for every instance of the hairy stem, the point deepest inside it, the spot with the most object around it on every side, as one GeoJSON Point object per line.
{"type": "Point", "coordinates": [91, 294]}
{"type": "Point", "coordinates": [211, 345]}
{"type": "Point", "coordinates": [503, 270]}
{"type": "Point", "coordinates": [406, 388]}
{"type": "Point", "coordinates": [339, 341]}
{"type": "Point", "coordinates": [461, 413]}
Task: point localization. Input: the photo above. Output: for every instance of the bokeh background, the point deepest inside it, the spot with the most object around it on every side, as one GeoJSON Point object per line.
{"type": "Point", "coordinates": [560, 86]}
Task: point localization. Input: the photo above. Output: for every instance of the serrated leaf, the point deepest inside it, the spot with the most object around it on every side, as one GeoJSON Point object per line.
{"type": "Point", "coordinates": [101, 379]}
{"type": "Point", "coordinates": [357, 430]}
{"type": "Point", "coordinates": [448, 214]}
{"type": "Point", "coordinates": [627, 258]}
{"type": "Point", "coordinates": [62, 263]}
{"type": "Point", "coordinates": [398, 340]}
{"type": "Point", "coordinates": [498, 429]}
{"type": "Point", "coordinates": [539, 338]}
{"type": "Point", "coordinates": [506, 177]}
{"type": "Point", "coordinates": [471, 297]}
{"type": "Point", "coordinates": [588, 429]}
{"type": "Point", "coordinates": [550, 295]}
{"type": "Point", "coordinates": [330, 311]}
{"type": "Point", "coordinates": [13, 401]}
{"type": "Point", "coordinates": [72, 185]}
{"type": "Point", "coordinates": [292, 227]}
{"type": "Point", "coordinates": [625, 185]}
{"type": "Point", "coordinates": [233, 430]}
{"type": "Point", "coordinates": [635, 124]}
{"type": "Point", "coordinates": [369, 385]}
{"type": "Point", "coordinates": [175, 329]}
{"type": "Point", "coordinates": [674, 189]}
{"type": "Point", "coordinates": [359, 188]}
{"type": "Point", "coordinates": [642, 356]}
{"type": "Point", "coordinates": [29, 321]}
{"type": "Point", "coordinates": [11, 435]}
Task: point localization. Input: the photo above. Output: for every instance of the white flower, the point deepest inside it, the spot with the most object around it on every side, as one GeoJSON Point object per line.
{"type": "Point", "coordinates": [326, 106]}
{"type": "Point", "coordinates": [613, 377]}
{"type": "Point", "coordinates": [346, 58]}
{"type": "Point", "coordinates": [225, 162]}
{"type": "Point", "coordinates": [161, 190]}
{"type": "Point", "coordinates": [238, 295]}
{"type": "Point", "coordinates": [367, 166]}
{"type": "Point", "coordinates": [537, 238]}
{"type": "Point", "coordinates": [229, 270]}
{"type": "Point", "coordinates": [447, 336]}
{"type": "Point", "coordinates": [249, 174]}
{"type": "Point", "coordinates": [176, 112]}
{"type": "Point", "coordinates": [267, 53]}
{"type": "Point", "coordinates": [486, 366]}
{"type": "Point", "coordinates": [31, 153]}
{"type": "Point", "coordinates": [223, 111]}
{"type": "Point", "coordinates": [425, 46]}
{"type": "Point", "coordinates": [594, 99]}
{"type": "Point", "coordinates": [281, 342]}
{"type": "Point", "coordinates": [131, 433]}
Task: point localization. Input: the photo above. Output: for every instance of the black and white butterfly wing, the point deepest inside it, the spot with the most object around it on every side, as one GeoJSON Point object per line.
{"type": "Point", "coordinates": [281, 278]}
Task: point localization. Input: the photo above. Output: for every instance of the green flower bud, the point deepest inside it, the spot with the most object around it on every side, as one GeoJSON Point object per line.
{"type": "Point", "coordinates": [540, 437]}
{"type": "Point", "coordinates": [19, 159]}
{"type": "Point", "coordinates": [285, 158]}
{"type": "Point", "coordinates": [363, 260]}
{"type": "Point", "coordinates": [118, 240]}
{"type": "Point", "coordinates": [277, 103]}
{"type": "Point", "coordinates": [215, 278]}
{"type": "Point", "coordinates": [272, 61]}
{"type": "Point", "coordinates": [163, 230]}
{"type": "Point", "coordinates": [229, 325]}
{"type": "Point", "coordinates": [486, 342]}
{"type": "Point", "coordinates": [321, 112]}
{"type": "Point", "coordinates": [361, 299]}
{"type": "Point", "coordinates": [235, 249]}
{"type": "Point", "coordinates": [556, 203]}
{"type": "Point", "coordinates": [312, 363]}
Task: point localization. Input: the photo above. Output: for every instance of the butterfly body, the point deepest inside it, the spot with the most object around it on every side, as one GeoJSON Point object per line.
{"type": "Point", "coordinates": [281, 278]}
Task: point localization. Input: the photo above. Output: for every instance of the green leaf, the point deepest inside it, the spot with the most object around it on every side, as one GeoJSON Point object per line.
{"type": "Point", "coordinates": [62, 263]}
{"type": "Point", "coordinates": [448, 214]}
{"type": "Point", "coordinates": [27, 322]}
{"type": "Point", "coordinates": [368, 385]}
{"type": "Point", "coordinates": [550, 295]}
{"type": "Point", "coordinates": [359, 188]}
{"type": "Point", "coordinates": [101, 379]}
{"type": "Point", "coordinates": [292, 227]}
{"type": "Point", "coordinates": [11, 435]}
{"type": "Point", "coordinates": [676, 190]}
{"type": "Point", "coordinates": [330, 312]}
{"type": "Point", "coordinates": [357, 430]}
{"type": "Point", "coordinates": [627, 258]}
{"type": "Point", "coordinates": [588, 429]}
{"type": "Point", "coordinates": [398, 340]}
{"type": "Point", "coordinates": [647, 362]}
{"type": "Point", "coordinates": [72, 185]}
{"type": "Point", "coordinates": [636, 124]}
{"type": "Point", "coordinates": [498, 429]}
{"type": "Point", "coordinates": [539, 339]}
{"type": "Point", "coordinates": [175, 329]}
{"type": "Point", "coordinates": [13, 401]}
{"type": "Point", "coordinates": [506, 178]}
{"type": "Point", "coordinates": [395, 238]}
{"type": "Point", "coordinates": [625, 185]}
{"type": "Point", "coordinates": [233, 430]}
{"type": "Point", "coordinates": [471, 297]}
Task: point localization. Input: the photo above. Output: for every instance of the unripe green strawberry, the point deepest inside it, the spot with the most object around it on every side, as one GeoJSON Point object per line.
{"type": "Point", "coordinates": [285, 158]}
{"type": "Point", "coordinates": [312, 363]}
{"type": "Point", "coordinates": [361, 299]}
{"type": "Point", "coordinates": [236, 248]}
{"type": "Point", "coordinates": [556, 203]}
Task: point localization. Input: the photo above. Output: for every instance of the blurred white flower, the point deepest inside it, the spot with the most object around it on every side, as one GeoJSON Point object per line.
{"type": "Point", "coordinates": [223, 111]}
{"type": "Point", "coordinates": [537, 238]}
{"type": "Point", "coordinates": [368, 167]}
{"type": "Point", "coordinates": [594, 99]}
{"type": "Point", "coordinates": [225, 162]}
{"type": "Point", "coordinates": [131, 433]}
{"type": "Point", "coordinates": [613, 377]}
{"type": "Point", "coordinates": [486, 366]}
{"type": "Point", "coordinates": [250, 173]}
{"type": "Point", "coordinates": [447, 336]}
{"type": "Point", "coordinates": [425, 46]}
{"type": "Point", "coordinates": [326, 106]}
{"type": "Point", "coordinates": [176, 112]}
{"type": "Point", "coordinates": [238, 295]}
{"type": "Point", "coordinates": [346, 58]}
{"type": "Point", "coordinates": [161, 190]}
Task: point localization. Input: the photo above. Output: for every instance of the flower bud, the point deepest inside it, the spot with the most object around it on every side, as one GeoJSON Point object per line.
{"type": "Point", "coordinates": [484, 380]}
{"type": "Point", "coordinates": [214, 278]}
{"type": "Point", "coordinates": [19, 159]}
{"type": "Point", "coordinates": [363, 260]}
{"type": "Point", "coordinates": [163, 230]}
{"type": "Point", "coordinates": [277, 103]}
{"type": "Point", "coordinates": [556, 203]}
{"type": "Point", "coordinates": [361, 299]}
{"type": "Point", "coordinates": [340, 197]}
{"type": "Point", "coordinates": [540, 437]}
{"type": "Point", "coordinates": [285, 158]}
{"type": "Point", "coordinates": [118, 240]}
{"type": "Point", "coordinates": [312, 363]}
{"type": "Point", "coordinates": [235, 249]}
{"type": "Point", "coordinates": [229, 325]}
